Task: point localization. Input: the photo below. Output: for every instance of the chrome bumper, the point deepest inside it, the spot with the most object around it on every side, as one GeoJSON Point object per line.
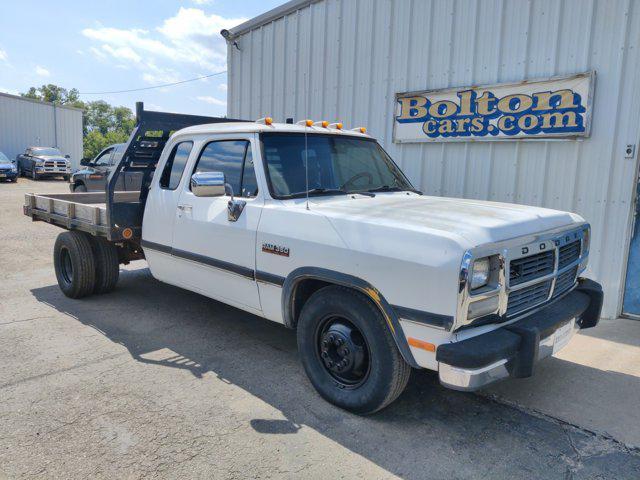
{"type": "Point", "coordinates": [473, 379]}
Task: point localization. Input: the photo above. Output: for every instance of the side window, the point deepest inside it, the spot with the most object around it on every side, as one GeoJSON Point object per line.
{"type": "Point", "coordinates": [228, 157]}
{"type": "Point", "coordinates": [172, 171]}
{"type": "Point", "coordinates": [104, 158]}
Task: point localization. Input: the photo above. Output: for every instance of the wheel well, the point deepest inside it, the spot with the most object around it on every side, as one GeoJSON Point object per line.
{"type": "Point", "coordinates": [303, 291]}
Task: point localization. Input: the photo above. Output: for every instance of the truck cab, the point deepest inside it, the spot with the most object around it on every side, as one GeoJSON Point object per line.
{"type": "Point", "coordinates": [315, 227]}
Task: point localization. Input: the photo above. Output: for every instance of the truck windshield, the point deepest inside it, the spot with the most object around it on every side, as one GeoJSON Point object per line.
{"type": "Point", "coordinates": [3, 157]}
{"type": "Point", "coordinates": [47, 151]}
{"type": "Point", "coordinates": [338, 164]}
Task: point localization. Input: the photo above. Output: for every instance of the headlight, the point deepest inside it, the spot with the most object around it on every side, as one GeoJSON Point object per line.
{"type": "Point", "coordinates": [586, 240]}
{"type": "Point", "coordinates": [14, 168]}
{"type": "Point", "coordinates": [480, 273]}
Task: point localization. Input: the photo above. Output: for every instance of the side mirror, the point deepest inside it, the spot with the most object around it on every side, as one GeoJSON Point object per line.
{"type": "Point", "coordinates": [67, 156]}
{"type": "Point", "coordinates": [85, 162]}
{"type": "Point", "coordinates": [208, 184]}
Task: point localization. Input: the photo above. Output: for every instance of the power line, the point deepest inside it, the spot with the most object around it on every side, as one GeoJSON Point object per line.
{"type": "Point", "coordinates": [155, 86]}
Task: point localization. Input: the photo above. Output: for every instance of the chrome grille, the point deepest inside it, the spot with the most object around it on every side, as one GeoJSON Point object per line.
{"type": "Point", "coordinates": [528, 297]}
{"type": "Point", "coordinates": [565, 281]}
{"type": "Point", "coordinates": [568, 254]}
{"type": "Point", "coordinates": [529, 268]}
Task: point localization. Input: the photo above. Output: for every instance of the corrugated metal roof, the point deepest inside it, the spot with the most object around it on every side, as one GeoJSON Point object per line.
{"type": "Point", "coordinates": [25, 99]}
{"type": "Point", "coordinates": [346, 59]}
{"type": "Point", "coordinates": [271, 15]}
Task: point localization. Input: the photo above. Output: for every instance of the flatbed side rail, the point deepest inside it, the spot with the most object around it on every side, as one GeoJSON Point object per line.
{"type": "Point", "coordinates": [145, 145]}
{"type": "Point", "coordinates": [68, 214]}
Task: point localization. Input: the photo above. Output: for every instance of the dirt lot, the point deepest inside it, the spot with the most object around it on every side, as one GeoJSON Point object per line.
{"type": "Point", "coordinates": [153, 381]}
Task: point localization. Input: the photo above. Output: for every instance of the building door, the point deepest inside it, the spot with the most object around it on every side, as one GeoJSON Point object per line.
{"type": "Point", "coordinates": [631, 305]}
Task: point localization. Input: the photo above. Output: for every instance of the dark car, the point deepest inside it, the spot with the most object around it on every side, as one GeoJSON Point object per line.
{"type": "Point", "coordinates": [40, 162]}
{"type": "Point", "coordinates": [94, 174]}
{"type": "Point", "coordinates": [8, 169]}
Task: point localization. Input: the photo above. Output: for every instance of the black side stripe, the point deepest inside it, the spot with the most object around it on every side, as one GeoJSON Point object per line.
{"type": "Point", "coordinates": [266, 277]}
{"type": "Point", "coordinates": [428, 318]}
{"type": "Point", "coordinates": [246, 272]}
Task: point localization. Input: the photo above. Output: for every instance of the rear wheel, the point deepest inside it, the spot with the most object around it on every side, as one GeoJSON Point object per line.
{"type": "Point", "coordinates": [348, 352]}
{"type": "Point", "coordinates": [74, 264]}
{"type": "Point", "coordinates": [107, 263]}
{"type": "Point", "coordinates": [79, 188]}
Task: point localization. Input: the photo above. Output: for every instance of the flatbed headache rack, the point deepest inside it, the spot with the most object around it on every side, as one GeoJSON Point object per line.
{"type": "Point", "coordinates": [114, 214]}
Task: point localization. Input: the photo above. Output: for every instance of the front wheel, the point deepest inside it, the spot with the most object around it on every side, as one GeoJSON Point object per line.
{"type": "Point", "coordinates": [80, 188]}
{"type": "Point", "coordinates": [348, 352]}
{"type": "Point", "coordinates": [34, 175]}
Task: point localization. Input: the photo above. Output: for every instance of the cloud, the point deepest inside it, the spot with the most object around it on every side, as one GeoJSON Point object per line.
{"type": "Point", "coordinates": [3, 55]}
{"type": "Point", "coordinates": [213, 101]}
{"type": "Point", "coordinates": [43, 72]}
{"type": "Point", "coordinates": [10, 91]}
{"type": "Point", "coordinates": [202, 2]}
{"type": "Point", "coordinates": [122, 53]}
{"type": "Point", "coordinates": [222, 87]}
{"type": "Point", "coordinates": [190, 38]}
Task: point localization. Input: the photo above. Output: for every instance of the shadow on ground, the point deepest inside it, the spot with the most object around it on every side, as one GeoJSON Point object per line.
{"type": "Point", "coordinates": [429, 432]}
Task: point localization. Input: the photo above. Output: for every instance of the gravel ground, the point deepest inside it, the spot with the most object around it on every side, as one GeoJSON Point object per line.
{"type": "Point", "coordinates": [154, 381]}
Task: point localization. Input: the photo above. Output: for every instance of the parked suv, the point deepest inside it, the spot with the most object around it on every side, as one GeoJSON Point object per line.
{"type": "Point", "coordinates": [8, 169]}
{"type": "Point", "coordinates": [93, 177]}
{"type": "Point", "coordinates": [44, 162]}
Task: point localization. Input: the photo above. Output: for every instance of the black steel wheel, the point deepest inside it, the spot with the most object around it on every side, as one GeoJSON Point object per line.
{"type": "Point", "coordinates": [343, 351]}
{"type": "Point", "coordinates": [348, 352]}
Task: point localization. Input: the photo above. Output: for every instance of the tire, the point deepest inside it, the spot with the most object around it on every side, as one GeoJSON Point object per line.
{"type": "Point", "coordinates": [66, 177]}
{"type": "Point", "coordinates": [337, 317]}
{"type": "Point", "coordinates": [80, 187]}
{"type": "Point", "coordinates": [34, 175]}
{"type": "Point", "coordinates": [74, 264]}
{"type": "Point", "coordinates": [105, 256]}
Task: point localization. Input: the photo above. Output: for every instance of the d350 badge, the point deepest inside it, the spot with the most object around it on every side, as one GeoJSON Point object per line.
{"type": "Point", "coordinates": [275, 249]}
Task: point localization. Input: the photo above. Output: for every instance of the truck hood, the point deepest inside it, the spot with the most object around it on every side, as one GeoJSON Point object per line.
{"type": "Point", "coordinates": [5, 165]}
{"type": "Point", "coordinates": [473, 222]}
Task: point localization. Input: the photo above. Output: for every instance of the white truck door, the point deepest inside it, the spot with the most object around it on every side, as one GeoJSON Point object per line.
{"type": "Point", "coordinates": [217, 255]}
{"type": "Point", "coordinates": [160, 210]}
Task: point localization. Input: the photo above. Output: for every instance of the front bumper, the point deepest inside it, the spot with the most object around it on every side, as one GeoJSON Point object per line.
{"type": "Point", "coordinates": [8, 175]}
{"type": "Point", "coordinates": [513, 350]}
{"type": "Point", "coordinates": [53, 171]}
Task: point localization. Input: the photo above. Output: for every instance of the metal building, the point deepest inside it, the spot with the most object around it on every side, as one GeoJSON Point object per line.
{"type": "Point", "coordinates": [25, 122]}
{"type": "Point", "coordinates": [347, 60]}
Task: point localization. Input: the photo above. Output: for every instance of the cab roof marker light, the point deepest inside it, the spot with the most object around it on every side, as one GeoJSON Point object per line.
{"type": "Point", "coordinates": [337, 125]}
{"type": "Point", "coordinates": [359, 129]}
{"type": "Point", "coordinates": [265, 120]}
{"type": "Point", "coordinates": [323, 124]}
{"type": "Point", "coordinates": [305, 123]}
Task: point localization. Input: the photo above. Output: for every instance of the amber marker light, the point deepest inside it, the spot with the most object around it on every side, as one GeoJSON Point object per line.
{"type": "Point", "coordinates": [337, 125]}
{"type": "Point", "coordinates": [127, 233]}
{"type": "Point", "coordinates": [414, 342]}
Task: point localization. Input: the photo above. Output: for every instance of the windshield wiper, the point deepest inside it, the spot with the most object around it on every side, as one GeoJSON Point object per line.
{"type": "Point", "coordinates": [387, 188]}
{"type": "Point", "coordinates": [327, 191]}
{"type": "Point", "coordinates": [319, 191]}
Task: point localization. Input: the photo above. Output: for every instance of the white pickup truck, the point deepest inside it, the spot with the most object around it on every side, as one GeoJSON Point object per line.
{"type": "Point", "coordinates": [315, 227]}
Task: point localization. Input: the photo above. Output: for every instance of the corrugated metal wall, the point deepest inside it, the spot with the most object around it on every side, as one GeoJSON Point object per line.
{"type": "Point", "coordinates": [356, 54]}
{"type": "Point", "coordinates": [25, 123]}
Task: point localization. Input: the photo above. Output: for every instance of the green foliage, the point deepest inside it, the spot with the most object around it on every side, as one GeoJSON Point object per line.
{"type": "Point", "coordinates": [102, 124]}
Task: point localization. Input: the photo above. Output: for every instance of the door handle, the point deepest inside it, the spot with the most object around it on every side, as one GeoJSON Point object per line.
{"type": "Point", "coordinates": [185, 208]}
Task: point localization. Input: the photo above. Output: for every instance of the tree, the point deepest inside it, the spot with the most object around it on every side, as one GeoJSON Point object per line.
{"type": "Point", "coordinates": [55, 94]}
{"type": "Point", "coordinates": [102, 124]}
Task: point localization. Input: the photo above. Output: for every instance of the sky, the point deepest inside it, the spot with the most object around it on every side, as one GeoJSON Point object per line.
{"type": "Point", "coordinates": [100, 46]}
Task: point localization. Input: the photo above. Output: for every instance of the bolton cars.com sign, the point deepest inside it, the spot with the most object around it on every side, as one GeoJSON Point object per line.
{"type": "Point", "coordinates": [555, 107]}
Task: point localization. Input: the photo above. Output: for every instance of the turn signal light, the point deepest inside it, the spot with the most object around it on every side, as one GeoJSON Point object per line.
{"type": "Point", "coordinates": [414, 342]}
